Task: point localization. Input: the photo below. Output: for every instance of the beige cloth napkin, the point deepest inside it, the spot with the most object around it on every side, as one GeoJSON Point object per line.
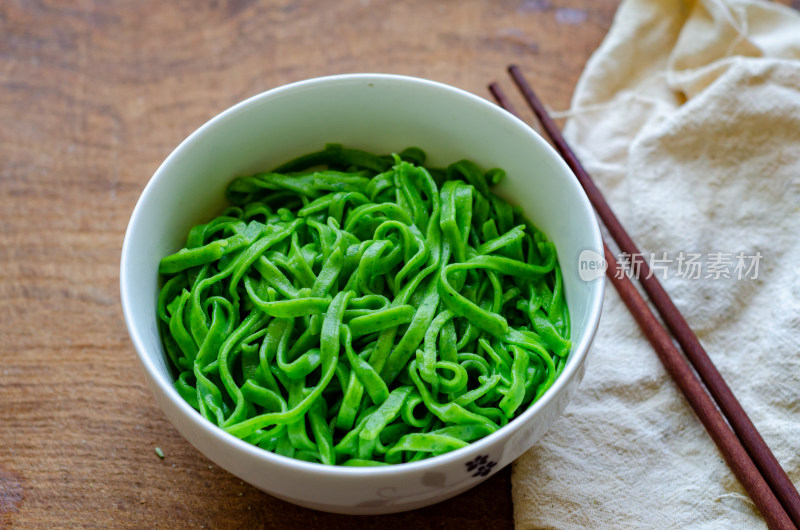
{"type": "Point", "coordinates": [688, 117]}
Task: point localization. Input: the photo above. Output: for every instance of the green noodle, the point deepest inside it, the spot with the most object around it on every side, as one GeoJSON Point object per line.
{"type": "Point", "coordinates": [364, 310]}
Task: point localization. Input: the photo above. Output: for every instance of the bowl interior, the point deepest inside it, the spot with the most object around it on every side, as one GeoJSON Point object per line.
{"type": "Point", "coordinates": [377, 113]}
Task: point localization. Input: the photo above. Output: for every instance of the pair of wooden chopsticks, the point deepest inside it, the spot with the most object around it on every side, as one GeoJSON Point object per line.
{"type": "Point", "coordinates": [735, 435]}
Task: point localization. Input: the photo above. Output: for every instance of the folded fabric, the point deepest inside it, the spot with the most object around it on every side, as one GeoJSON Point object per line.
{"type": "Point", "coordinates": [688, 118]}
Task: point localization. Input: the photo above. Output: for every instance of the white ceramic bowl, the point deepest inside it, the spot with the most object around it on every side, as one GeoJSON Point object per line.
{"type": "Point", "coordinates": [382, 114]}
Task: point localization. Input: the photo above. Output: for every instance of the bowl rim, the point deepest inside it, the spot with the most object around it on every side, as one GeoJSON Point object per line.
{"type": "Point", "coordinates": [574, 362]}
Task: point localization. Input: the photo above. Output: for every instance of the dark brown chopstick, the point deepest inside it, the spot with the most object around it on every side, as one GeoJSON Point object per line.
{"type": "Point", "coordinates": [758, 450]}
{"type": "Point", "coordinates": [751, 441]}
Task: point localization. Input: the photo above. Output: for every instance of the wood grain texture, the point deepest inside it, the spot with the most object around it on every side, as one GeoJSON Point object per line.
{"type": "Point", "coordinates": [93, 96]}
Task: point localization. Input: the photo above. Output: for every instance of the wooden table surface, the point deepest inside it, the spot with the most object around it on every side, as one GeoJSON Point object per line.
{"type": "Point", "coordinates": [93, 96]}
